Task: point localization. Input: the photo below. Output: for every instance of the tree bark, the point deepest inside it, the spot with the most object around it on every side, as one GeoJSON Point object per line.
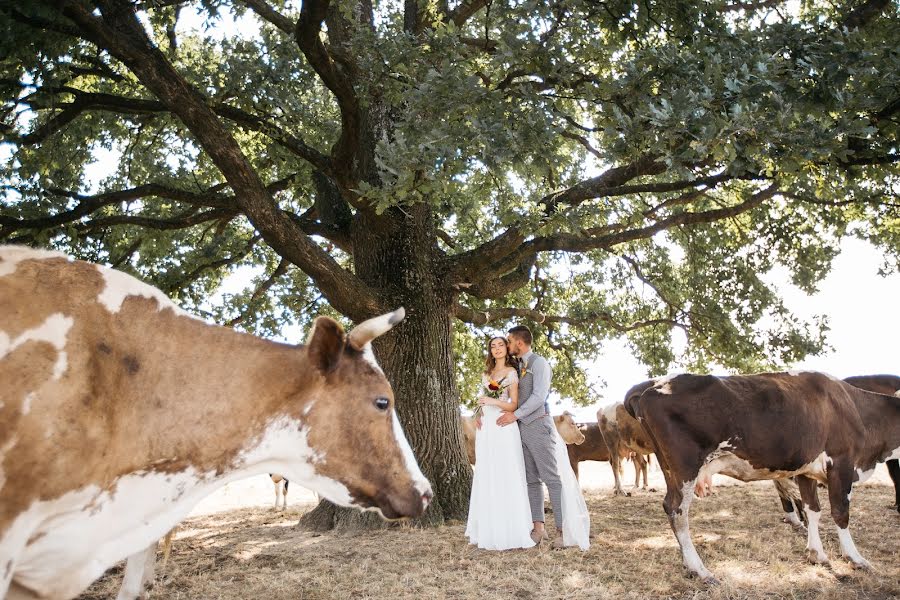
{"type": "Point", "coordinates": [393, 254]}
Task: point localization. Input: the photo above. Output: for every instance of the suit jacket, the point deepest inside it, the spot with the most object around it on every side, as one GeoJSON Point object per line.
{"type": "Point", "coordinates": [534, 372]}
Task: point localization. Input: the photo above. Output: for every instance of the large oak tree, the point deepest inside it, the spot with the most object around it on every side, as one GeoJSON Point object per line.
{"type": "Point", "coordinates": [594, 168]}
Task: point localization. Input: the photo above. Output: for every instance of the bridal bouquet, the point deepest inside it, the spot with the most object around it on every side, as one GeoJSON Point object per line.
{"type": "Point", "coordinates": [494, 390]}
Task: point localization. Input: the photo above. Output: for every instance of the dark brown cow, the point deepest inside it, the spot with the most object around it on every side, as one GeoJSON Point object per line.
{"type": "Point", "coordinates": [888, 385]}
{"type": "Point", "coordinates": [593, 447]}
{"type": "Point", "coordinates": [766, 426]}
{"type": "Point", "coordinates": [880, 384]}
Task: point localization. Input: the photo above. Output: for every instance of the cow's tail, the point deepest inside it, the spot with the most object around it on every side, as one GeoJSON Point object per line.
{"type": "Point", "coordinates": [790, 492]}
{"type": "Point", "coordinates": [167, 546]}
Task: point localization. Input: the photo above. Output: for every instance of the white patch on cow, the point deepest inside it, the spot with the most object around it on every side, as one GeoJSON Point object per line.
{"type": "Point", "coordinates": [12, 255]}
{"type": "Point", "coordinates": [26, 404]}
{"type": "Point", "coordinates": [813, 541]}
{"type": "Point", "coordinates": [681, 526]}
{"type": "Point", "coordinates": [848, 549]}
{"type": "Point", "coordinates": [369, 357]}
{"type": "Point", "coordinates": [661, 384]}
{"type": "Point", "coordinates": [798, 372]}
{"type": "Point", "coordinates": [308, 407]}
{"type": "Point", "coordinates": [794, 519]}
{"type": "Point", "coordinates": [412, 465]}
{"type": "Point", "coordinates": [53, 330]}
{"type": "Point", "coordinates": [894, 455]}
{"type": "Point", "coordinates": [863, 476]}
{"type": "Point", "coordinates": [121, 285]}
{"type": "Point", "coordinates": [80, 535]}
{"type": "Point", "coordinates": [897, 393]}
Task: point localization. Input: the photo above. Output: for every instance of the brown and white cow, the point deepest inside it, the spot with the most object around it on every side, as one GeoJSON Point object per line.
{"type": "Point", "coordinates": [766, 426]}
{"type": "Point", "coordinates": [281, 489]}
{"type": "Point", "coordinates": [624, 437]}
{"type": "Point", "coordinates": [133, 411]}
{"type": "Point", "coordinates": [467, 426]}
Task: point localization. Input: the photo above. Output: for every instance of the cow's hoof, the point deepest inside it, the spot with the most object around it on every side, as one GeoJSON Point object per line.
{"type": "Point", "coordinates": [862, 565]}
{"type": "Point", "coordinates": [710, 580]}
{"type": "Point", "coordinates": [817, 559]}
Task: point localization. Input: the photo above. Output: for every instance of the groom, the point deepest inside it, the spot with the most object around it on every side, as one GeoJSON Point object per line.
{"type": "Point", "coordinates": [536, 429]}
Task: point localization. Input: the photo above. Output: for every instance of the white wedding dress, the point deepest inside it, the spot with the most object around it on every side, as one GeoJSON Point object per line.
{"type": "Point", "coordinates": [499, 514]}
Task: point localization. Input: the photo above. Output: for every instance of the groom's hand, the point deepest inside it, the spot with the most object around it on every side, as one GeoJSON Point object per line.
{"type": "Point", "coordinates": [507, 418]}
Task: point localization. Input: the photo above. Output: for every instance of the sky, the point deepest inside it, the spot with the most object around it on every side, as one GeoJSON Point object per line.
{"type": "Point", "coordinates": [863, 311]}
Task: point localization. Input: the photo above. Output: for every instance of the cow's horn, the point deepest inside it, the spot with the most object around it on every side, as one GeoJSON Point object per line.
{"type": "Point", "coordinates": [367, 331]}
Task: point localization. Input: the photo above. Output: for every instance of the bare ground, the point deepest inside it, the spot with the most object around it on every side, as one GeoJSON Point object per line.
{"type": "Point", "coordinates": [258, 553]}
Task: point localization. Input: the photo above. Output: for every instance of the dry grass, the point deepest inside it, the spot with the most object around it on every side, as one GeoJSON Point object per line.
{"type": "Point", "coordinates": [257, 553]}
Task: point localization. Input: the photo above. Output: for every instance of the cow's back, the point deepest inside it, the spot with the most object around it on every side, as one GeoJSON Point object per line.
{"type": "Point", "coordinates": [782, 420]}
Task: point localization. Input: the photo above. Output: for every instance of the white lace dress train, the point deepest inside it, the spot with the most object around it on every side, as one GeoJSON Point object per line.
{"type": "Point", "coordinates": [576, 519]}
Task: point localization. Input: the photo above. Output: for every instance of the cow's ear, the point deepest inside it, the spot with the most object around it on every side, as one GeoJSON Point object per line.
{"type": "Point", "coordinates": [326, 344]}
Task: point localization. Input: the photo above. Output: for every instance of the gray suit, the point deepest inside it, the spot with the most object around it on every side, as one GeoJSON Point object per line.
{"type": "Point", "coordinates": [538, 439]}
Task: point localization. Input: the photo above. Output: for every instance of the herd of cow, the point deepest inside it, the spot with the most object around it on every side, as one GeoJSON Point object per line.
{"type": "Point", "coordinates": [132, 411]}
{"type": "Point", "coordinates": [799, 429]}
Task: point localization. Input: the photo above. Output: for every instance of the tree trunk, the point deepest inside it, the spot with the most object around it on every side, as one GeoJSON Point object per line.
{"type": "Point", "coordinates": [395, 255]}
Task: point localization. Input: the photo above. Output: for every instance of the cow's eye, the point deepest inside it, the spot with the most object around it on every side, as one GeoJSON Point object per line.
{"type": "Point", "coordinates": [382, 403]}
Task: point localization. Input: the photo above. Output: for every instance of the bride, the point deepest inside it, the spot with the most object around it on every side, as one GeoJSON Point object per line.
{"type": "Point", "coordinates": [499, 510]}
{"type": "Point", "coordinates": [499, 513]}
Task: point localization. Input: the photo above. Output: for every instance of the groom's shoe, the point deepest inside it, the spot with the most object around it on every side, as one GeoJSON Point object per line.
{"type": "Point", "coordinates": [537, 537]}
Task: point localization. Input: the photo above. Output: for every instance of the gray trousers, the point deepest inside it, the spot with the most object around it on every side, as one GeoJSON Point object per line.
{"type": "Point", "coordinates": [538, 446]}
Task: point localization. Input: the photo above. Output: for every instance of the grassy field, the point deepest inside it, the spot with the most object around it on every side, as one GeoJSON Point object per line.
{"type": "Point", "coordinates": [258, 553]}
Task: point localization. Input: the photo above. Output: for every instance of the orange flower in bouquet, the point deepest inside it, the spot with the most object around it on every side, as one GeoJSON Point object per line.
{"type": "Point", "coordinates": [494, 389]}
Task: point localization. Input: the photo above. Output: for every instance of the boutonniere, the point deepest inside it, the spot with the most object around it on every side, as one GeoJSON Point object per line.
{"type": "Point", "coordinates": [524, 371]}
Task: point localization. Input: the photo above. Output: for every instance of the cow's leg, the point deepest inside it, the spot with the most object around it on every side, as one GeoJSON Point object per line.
{"type": "Point", "coordinates": [815, 553]}
{"type": "Point", "coordinates": [277, 492]}
{"type": "Point", "coordinates": [615, 460]}
{"type": "Point", "coordinates": [677, 504]}
{"type": "Point", "coordinates": [139, 572]}
{"type": "Point", "coordinates": [637, 470]}
{"type": "Point", "coordinates": [840, 486]}
{"type": "Point", "coordinates": [893, 466]}
{"type": "Point", "coordinates": [645, 469]}
{"type": "Point", "coordinates": [284, 495]}
{"type": "Point", "coordinates": [790, 503]}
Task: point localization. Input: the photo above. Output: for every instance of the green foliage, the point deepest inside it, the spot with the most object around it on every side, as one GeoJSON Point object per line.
{"type": "Point", "coordinates": [569, 89]}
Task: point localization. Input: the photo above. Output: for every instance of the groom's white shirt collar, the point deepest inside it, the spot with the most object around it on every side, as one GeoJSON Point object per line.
{"type": "Point", "coordinates": [524, 357]}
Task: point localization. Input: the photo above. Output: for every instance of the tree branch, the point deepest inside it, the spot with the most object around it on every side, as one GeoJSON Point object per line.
{"type": "Point", "coordinates": [464, 11]}
{"type": "Point", "coordinates": [118, 31]}
{"type": "Point", "coordinates": [267, 13]}
{"type": "Point", "coordinates": [482, 318]}
{"type": "Point", "coordinates": [307, 31]}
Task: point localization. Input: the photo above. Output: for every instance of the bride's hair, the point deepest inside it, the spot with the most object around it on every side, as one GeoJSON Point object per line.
{"type": "Point", "coordinates": [511, 361]}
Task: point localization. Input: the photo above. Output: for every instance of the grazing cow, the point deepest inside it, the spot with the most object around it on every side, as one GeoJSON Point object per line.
{"type": "Point", "coordinates": [565, 424]}
{"type": "Point", "coordinates": [767, 426]}
{"type": "Point", "coordinates": [624, 435]}
{"type": "Point", "coordinates": [280, 492]}
{"type": "Point", "coordinates": [133, 411]}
